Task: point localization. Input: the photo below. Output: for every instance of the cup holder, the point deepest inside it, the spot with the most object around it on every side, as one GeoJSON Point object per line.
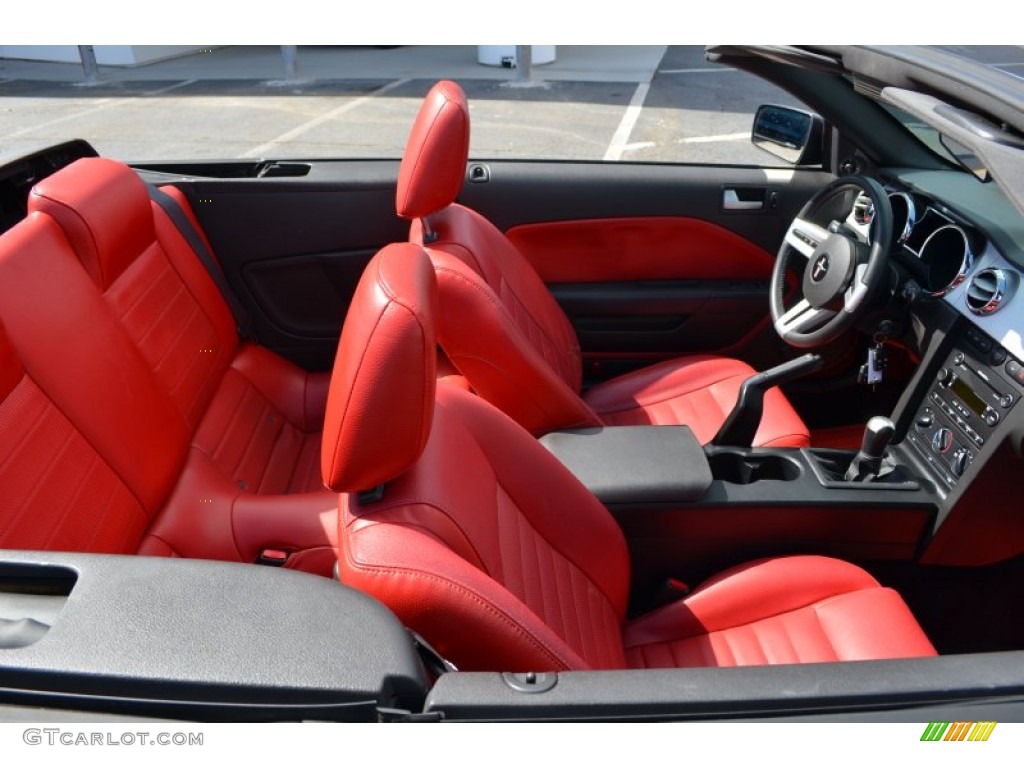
{"type": "Point", "coordinates": [746, 468]}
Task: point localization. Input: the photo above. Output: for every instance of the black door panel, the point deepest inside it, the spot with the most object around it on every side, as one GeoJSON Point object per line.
{"type": "Point", "coordinates": [293, 248]}
{"type": "Point", "coordinates": [526, 192]}
{"type": "Point", "coordinates": [644, 321]}
{"type": "Point", "coordinates": [306, 296]}
{"type": "Point", "coordinates": [662, 319]}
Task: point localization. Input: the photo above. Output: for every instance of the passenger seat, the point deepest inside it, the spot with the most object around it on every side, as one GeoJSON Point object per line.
{"type": "Point", "coordinates": [481, 541]}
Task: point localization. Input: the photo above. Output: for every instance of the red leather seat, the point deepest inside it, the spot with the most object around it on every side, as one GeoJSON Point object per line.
{"type": "Point", "coordinates": [59, 489]}
{"type": "Point", "coordinates": [120, 327]}
{"type": "Point", "coordinates": [90, 447]}
{"type": "Point", "coordinates": [256, 416]}
{"type": "Point", "coordinates": [480, 540]}
{"type": "Point", "coordinates": [505, 333]}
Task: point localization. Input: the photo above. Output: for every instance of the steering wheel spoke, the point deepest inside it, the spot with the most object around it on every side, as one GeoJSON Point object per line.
{"type": "Point", "coordinates": [804, 236]}
{"type": "Point", "coordinates": [858, 290]}
{"type": "Point", "coordinates": [801, 317]}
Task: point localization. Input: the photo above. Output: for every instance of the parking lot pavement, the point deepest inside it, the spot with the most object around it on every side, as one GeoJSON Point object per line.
{"type": "Point", "coordinates": [699, 112]}
{"type": "Point", "coordinates": [207, 106]}
{"type": "Point", "coordinates": [639, 103]}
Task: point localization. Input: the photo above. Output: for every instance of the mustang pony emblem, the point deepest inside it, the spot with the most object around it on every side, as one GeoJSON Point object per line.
{"type": "Point", "coordinates": [820, 268]}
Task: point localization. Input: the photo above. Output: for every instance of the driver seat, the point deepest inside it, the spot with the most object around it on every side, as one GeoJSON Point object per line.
{"type": "Point", "coordinates": [504, 332]}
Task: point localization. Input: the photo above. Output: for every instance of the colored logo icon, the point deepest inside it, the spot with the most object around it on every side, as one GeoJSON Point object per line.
{"type": "Point", "coordinates": [960, 731]}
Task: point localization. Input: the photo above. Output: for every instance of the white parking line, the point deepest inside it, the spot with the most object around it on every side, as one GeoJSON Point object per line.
{"type": "Point", "coordinates": [298, 130]}
{"type": "Point", "coordinates": [695, 70]}
{"type": "Point", "coordinates": [713, 139]}
{"type": "Point", "coordinates": [621, 137]}
{"type": "Point", "coordinates": [98, 106]}
{"type": "Point", "coordinates": [635, 145]}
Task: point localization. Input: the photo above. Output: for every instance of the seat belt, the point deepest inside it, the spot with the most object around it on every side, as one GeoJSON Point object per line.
{"type": "Point", "coordinates": [243, 322]}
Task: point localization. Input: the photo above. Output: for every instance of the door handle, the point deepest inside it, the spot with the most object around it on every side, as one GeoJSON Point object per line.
{"type": "Point", "coordinates": [731, 201]}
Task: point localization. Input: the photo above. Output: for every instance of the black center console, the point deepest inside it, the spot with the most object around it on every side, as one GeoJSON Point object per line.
{"type": "Point", "coordinates": [924, 486]}
{"type": "Point", "coordinates": [634, 465]}
{"type": "Point", "coordinates": [634, 468]}
{"type": "Point", "coordinates": [975, 389]}
{"type": "Point", "coordinates": [688, 510]}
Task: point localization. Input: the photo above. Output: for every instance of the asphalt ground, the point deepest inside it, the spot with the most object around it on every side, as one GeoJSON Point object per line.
{"type": "Point", "coordinates": [656, 104]}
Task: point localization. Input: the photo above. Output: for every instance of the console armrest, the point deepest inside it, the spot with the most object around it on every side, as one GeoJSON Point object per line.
{"type": "Point", "coordinates": [634, 465]}
{"type": "Point", "coordinates": [194, 639]}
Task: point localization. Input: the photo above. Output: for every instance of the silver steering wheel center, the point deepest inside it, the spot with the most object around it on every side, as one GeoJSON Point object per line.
{"type": "Point", "coordinates": [829, 270]}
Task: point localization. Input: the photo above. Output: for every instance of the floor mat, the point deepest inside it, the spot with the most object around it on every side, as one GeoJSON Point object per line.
{"type": "Point", "coordinates": [963, 610]}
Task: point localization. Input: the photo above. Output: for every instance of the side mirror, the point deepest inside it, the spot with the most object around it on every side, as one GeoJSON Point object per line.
{"type": "Point", "coordinates": [789, 134]}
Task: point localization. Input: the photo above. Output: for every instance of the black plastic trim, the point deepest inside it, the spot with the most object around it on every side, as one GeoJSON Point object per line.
{"type": "Point", "coordinates": [207, 640]}
{"type": "Point", "coordinates": [892, 690]}
{"type": "Point", "coordinates": [634, 464]}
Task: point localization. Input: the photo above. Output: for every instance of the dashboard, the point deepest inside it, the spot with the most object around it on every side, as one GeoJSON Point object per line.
{"type": "Point", "coordinates": [958, 257]}
{"type": "Point", "coordinates": [944, 256]}
{"type": "Point", "coordinates": [974, 382]}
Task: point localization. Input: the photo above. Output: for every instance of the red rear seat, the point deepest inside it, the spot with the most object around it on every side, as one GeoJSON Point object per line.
{"type": "Point", "coordinates": [84, 426]}
{"type": "Point", "coordinates": [145, 361]}
{"type": "Point", "coordinates": [257, 416]}
{"type": "Point", "coordinates": [58, 491]}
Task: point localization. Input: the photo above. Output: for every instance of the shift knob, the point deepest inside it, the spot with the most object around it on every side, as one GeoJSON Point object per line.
{"type": "Point", "coordinates": [877, 434]}
{"type": "Point", "coordinates": [866, 464]}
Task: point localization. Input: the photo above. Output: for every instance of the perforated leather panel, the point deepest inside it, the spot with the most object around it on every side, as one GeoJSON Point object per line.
{"type": "Point", "coordinates": [171, 330]}
{"type": "Point", "coordinates": [58, 493]}
{"type": "Point", "coordinates": [254, 445]}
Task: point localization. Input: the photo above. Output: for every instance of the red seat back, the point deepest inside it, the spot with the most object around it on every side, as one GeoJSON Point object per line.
{"type": "Point", "coordinates": [520, 352]}
{"type": "Point", "coordinates": [479, 539]}
{"type": "Point", "coordinates": [153, 282]}
{"type": "Point", "coordinates": [85, 425]}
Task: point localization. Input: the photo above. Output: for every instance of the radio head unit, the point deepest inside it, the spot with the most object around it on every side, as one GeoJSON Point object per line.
{"type": "Point", "coordinates": [973, 391]}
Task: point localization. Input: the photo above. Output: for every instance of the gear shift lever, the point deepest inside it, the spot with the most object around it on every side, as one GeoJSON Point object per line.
{"type": "Point", "coordinates": [868, 461]}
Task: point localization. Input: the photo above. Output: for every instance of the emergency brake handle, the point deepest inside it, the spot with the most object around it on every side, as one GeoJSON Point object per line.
{"type": "Point", "coordinates": [741, 425]}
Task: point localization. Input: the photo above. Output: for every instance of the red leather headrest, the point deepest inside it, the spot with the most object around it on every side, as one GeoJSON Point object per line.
{"type": "Point", "coordinates": [104, 209]}
{"type": "Point", "coordinates": [381, 402]}
{"type": "Point", "coordinates": [434, 164]}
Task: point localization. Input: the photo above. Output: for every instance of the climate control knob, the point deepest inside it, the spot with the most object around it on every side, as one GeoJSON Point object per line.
{"type": "Point", "coordinates": [961, 459]}
{"type": "Point", "coordinates": [942, 440]}
{"type": "Point", "coordinates": [925, 418]}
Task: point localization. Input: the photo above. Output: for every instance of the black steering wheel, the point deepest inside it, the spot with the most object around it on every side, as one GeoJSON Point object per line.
{"type": "Point", "coordinates": [842, 235]}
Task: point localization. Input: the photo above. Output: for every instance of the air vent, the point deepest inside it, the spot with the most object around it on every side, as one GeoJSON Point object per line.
{"type": "Point", "coordinates": [863, 209]}
{"type": "Point", "coordinates": [988, 289]}
{"type": "Point", "coordinates": [868, 87]}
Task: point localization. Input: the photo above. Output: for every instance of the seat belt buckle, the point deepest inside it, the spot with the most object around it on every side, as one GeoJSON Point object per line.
{"type": "Point", "coordinates": [668, 591]}
{"type": "Point", "coordinates": [273, 557]}
{"type": "Point", "coordinates": [674, 589]}
{"type": "Point", "coordinates": [435, 664]}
